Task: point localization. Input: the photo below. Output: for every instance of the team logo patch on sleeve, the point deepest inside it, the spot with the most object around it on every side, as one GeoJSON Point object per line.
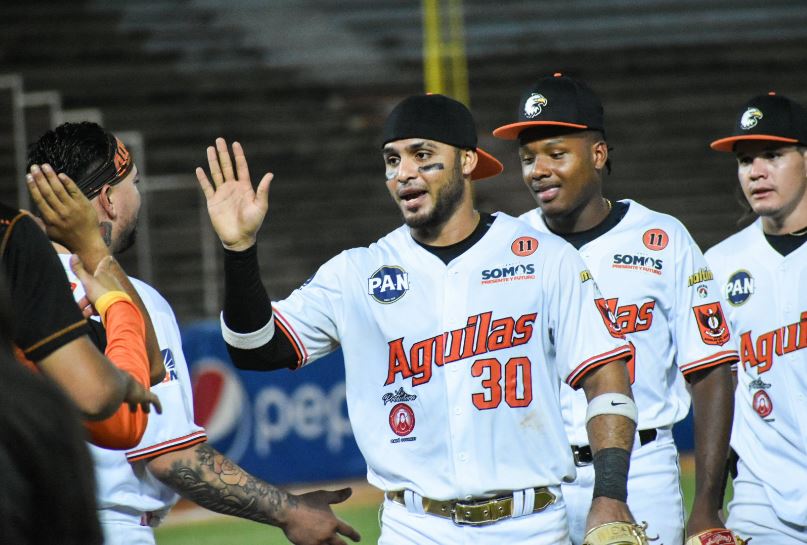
{"type": "Point", "coordinates": [388, 284]}
{"type": "Point", "coordinates": [402, 420]}
{"type": "Point", "coordinates": [655, 239]}
{"type": "Point", "coordinates": [739, 288]}
{"type": "Point", "coordinates": [703, 275]}
{"type": "Point", "coordinates": [524, 246]}
{"type": "Point", "coordinates": [585, 276]}
{"type": "Point", "coordinates": [712, 324]}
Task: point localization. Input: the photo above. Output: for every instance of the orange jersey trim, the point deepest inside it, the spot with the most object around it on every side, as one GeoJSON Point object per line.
{"type": "Point", "coordinates": [167, 446]}
{"type": "Point", "coordinates": [727, 356]}
{"type": "Point", "coordinates": [126, 349]}
{"type": "Point", "coordinates": [597, 361]}
{"type": "Point", "coordinates": [288, 331]}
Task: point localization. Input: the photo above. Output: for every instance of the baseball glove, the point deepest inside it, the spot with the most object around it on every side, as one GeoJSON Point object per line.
{"type": "Point", "coordinates": [716, 536]}
{"type": "Point", "coordinates": [617, 533]}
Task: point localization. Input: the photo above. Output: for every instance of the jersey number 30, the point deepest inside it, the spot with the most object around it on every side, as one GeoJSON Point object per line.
{"type": "Point", "coordinates": [517, 382]}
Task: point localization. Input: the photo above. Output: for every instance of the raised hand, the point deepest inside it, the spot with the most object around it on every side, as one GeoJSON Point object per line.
{"type": "Point", "coordinates": [236, 210]}
{"type": "Point", "coordinates": [69, 217]}
{"type": "Point", "coordinates": [310, 520]}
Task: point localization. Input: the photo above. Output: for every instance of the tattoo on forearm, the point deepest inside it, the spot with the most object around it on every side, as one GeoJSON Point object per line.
{"type": "Point", "coordinates": [106, 232]}
{"type": "Point", "coordinates": [215, 482]}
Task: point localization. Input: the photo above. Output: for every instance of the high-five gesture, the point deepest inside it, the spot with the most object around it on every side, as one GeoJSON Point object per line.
{"type": "Point", "coordinates": [236, 210]}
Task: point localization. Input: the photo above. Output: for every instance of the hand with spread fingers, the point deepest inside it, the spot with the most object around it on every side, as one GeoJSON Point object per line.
{"type": "Point", "coordinates": [310, 520]}
{"type": "Point", "coordinates": [236, 209]}
{"type": "Point", "coordinates": [69, 217]}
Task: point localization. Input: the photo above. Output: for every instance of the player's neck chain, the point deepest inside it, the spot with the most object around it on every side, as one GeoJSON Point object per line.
{"type": "Point", "coordinates": [799, 232]}
{"type": "Point", "coordinates": [609, 204]}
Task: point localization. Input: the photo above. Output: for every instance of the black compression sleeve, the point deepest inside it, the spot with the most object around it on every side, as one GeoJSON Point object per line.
{"type": "Point", "coordinates": [247, 306]}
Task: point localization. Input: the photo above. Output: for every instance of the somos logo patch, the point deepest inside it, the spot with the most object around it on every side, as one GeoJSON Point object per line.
{"type": "Point", "coordinates": [388, 284]}
{"type": "Point", "coordinates": [508, 273]}
{"type": "Point", "coordinates": [638, 263]}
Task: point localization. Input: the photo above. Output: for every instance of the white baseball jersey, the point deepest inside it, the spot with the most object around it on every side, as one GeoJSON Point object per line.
{"type": "Point", "coordinates": [122, 479]}
{"type": "Point", "coordinates": [766, 296]}
{"type": "Point", "coordinates": [660, 293]}
{"type": "Point", "coordinates": [453, 371]}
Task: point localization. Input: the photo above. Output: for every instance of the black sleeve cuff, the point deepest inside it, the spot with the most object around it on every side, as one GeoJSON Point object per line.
{"type": "Point", "coordinates": [247, 306]}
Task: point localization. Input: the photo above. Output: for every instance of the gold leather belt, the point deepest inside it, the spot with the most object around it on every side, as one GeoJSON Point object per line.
{"type": "Point", "coordinates": [477, 511]}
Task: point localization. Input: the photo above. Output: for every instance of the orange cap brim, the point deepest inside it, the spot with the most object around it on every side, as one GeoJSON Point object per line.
{"type": "Point", "coordinates": [511, 131]}
{"type": "Point", "coordinates": [727, 144]}
{"type": "Point", "coordinates": [486, 166]}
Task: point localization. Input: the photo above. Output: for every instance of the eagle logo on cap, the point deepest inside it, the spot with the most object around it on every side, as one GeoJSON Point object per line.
{"type": "Point", "coordinates": [750, 118]}
{"type": "Point", "coordinates": [534, 105]}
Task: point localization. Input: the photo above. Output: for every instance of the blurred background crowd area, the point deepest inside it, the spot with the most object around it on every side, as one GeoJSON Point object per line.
{"type": "Point", "coordinates": [305, 85]}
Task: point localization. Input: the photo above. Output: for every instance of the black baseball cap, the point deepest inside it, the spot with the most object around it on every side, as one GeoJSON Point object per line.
{"type": "Point", "coordinates": [767, 117]}
{"type": "Point", "coordinates": [556, 100]}
{"type": "Point", "coordinates": [442, 119]}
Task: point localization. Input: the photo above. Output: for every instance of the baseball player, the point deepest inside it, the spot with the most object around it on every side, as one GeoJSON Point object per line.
{"type": "Point", "coordinates": [656, 289]}
{"type": "Point", "coordinates": [50, 336]}
{"type": "Point", "coordinates": [762, 272]}
{"type": "Point", "coordinates": [137, 488]}
{"type": "Point", "coordinates": [456, 328]}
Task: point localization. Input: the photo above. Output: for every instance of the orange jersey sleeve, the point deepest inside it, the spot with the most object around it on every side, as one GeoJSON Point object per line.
{"type": "Point", "coordinates": [126, 348]}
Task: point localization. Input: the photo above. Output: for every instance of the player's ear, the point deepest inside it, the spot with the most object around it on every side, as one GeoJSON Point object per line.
{"type": "Point", "coordinates": [599, 153]}
{"type": "Point", "coordinates": [105, 200]}
{"type": "Point", "coordinates": [469, 159]}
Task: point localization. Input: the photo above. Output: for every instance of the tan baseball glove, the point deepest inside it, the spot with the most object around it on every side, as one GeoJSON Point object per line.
{"type": "Point", "coordinates": [617, 533]}
{"type": "Point", "coordinates": [717, 536]}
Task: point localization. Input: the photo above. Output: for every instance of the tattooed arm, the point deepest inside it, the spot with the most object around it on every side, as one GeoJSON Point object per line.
{"type": "Point", "coordinates": [208, 478]}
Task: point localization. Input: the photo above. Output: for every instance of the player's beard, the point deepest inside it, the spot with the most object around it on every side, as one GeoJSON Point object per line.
{"type": "Point", "coordinates": [447, 201]}
{"type": "Point", "coordinates": [126, 239]}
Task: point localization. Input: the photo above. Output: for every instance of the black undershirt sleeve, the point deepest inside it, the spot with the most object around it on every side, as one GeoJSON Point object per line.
{"type": "Point", "coordinates": [247, 308]}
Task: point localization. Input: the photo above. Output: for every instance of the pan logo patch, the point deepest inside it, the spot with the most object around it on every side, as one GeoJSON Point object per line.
{"type": "Point", "coordinates": [739, 288]}
{"type": "Point", "coordinates": [388, 284]}
{"type": "Point", "coordinates": [712, 324]}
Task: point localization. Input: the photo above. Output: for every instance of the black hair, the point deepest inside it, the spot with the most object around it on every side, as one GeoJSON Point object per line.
{"type": "Point", "coordinates": [76, 149]}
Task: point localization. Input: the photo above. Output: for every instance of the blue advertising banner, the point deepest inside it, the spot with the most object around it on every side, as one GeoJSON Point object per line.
{"type": "Point", "coordinates": [283, 426]}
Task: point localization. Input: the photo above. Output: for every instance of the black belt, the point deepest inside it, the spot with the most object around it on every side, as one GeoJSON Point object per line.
{"type": "Point", "coordinates": [582, 453]}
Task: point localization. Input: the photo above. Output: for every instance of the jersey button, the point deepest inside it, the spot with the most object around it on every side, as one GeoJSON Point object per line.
{"type": "Point", "coordinates": [463, 457]}
{"type": "Point", "coordinates": [457, 410]}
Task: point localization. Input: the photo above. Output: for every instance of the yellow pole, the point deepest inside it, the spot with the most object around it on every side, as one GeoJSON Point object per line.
{"type": "Point", "coordinates": [459, 61]}
{"type": "Point", "coordinates": [432, 48]}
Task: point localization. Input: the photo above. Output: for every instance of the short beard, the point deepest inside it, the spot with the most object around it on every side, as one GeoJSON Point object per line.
{"type": "Point", "coordinates": [125, 241]}
{"type": "Point", "coordinates": [448, 200]}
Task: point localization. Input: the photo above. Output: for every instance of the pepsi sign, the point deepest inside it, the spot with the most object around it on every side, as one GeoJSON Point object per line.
{"type": "Point", "coordinates": [264, 420]}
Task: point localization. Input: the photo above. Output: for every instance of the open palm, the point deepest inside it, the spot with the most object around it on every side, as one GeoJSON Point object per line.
{"type": "Point", "coordinates": [236, 210]}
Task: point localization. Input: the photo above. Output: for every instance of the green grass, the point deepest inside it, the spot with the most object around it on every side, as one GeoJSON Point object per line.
{"type": "Point", "coordinates": [362, 517]}
{"type": "Point", "coordinates": [231, 530]}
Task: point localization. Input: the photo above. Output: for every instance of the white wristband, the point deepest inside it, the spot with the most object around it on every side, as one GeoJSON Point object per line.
{"type": "Point", "coordinates": [612, 403]}
{"type": "Point", "coordinates": [248, 341]}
